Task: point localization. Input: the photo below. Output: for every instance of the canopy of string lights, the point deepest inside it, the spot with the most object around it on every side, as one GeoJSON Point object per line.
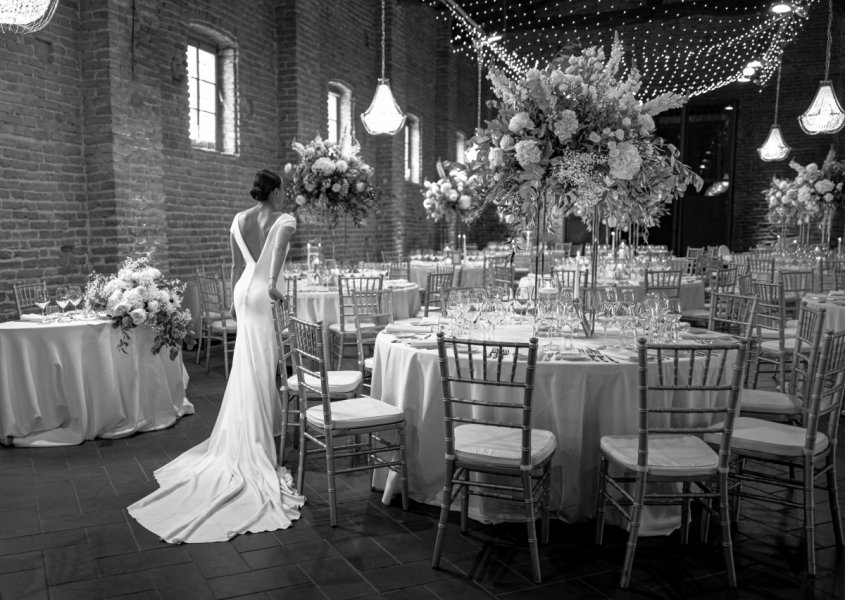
{"type": "Point", "coordinates": [684, 46]}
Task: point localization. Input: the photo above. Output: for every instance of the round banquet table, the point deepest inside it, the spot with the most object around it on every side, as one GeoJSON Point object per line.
{"type": "Point", "coordinates": [691, 294]}
{"type": "Point", "coordinates": [579, 401]}
{"type": "Point", "coordinates": [834, 315]}
{"type": "Point", "coordinates": [320, 303]}
{"type": "Point", "coordinates": [471, 273]}
{"type": "Point", "coordinates": [64, 383]}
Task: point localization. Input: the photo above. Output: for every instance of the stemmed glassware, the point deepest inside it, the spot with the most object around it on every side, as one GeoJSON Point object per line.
{"type": "Point", "coordinates": [41, 300]}
{"type": "Point", "coordinates": [62, 298]}
{"type": "Point", "coordinates": [74, 295]}
{"type": "Point", "coordinates": [570, 318]}
{"type": "Point", "coordinates": [522, 299]}
{"type": "Point", "coordinates": [673, 315]}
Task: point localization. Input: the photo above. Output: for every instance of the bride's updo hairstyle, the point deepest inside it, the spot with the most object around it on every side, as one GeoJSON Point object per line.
{"type": "Point", "coordinates": [264, 184]}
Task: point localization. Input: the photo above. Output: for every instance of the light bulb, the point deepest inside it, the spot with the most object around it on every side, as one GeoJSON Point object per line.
{"type": "Point", "coordinates": [781, 8]}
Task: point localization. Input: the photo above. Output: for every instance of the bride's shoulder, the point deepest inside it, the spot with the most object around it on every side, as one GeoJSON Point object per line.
{"type": "Point", "coordinates": [285, 219]}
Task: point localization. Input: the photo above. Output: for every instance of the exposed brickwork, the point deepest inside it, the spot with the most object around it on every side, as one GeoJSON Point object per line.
{"type": "Point", "coordinates": [96, 162]}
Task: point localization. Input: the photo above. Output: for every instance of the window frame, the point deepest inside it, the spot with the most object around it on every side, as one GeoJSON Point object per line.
{"type": "Point", "coordinates": [413, 149]}
{"type": "Point", "coordinates": [345, 122]}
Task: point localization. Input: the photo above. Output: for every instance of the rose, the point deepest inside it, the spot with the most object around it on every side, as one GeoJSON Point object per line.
{"type": "Point", "coordinates": [121, 309]}
{"type": "Point", "coordinates": [566, 126]}
{"type": "Point", "coordinates": [139, 315]}
{"type": "Point", "coordinates": [301, 200]}
{"type": "Point", "coordinates": [496, 158]}
{"type": "Point", "coordinates": [594, 137]}
{"type": "Point", "coordinates": [506, 142]}
{"type": "Point", "coordinates": [336, 188]}
{"type": "Point", "coordinates": [341, 166]}
{"type": "Point", "coordinates": [520, 121]}
{"type": "Point", "coordinates": [360, 186]}
{"type": "Point", "coordinates": [464, 202]}
{"type": "Point", "coordinates": [823, 186]}
{"type": "Point", "coordinates": [323, 166]}
{"type": "Point", "coordinates": [528, 153]}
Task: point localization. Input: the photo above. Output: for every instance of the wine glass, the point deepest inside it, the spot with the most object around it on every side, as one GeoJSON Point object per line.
{"type": "Point", "coordinates": [673, 315]}
{"type": "Point", "coordinates": [62, 298]}
{"type": "Point", "coordinates": [74, 295]}
{"type": "Point", "coordinates": [522, 298]}
{"type": "Point", "coordinates": [41, 299]}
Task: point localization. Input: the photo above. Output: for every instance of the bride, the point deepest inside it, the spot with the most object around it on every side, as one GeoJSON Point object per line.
{"type": "Point", "coordinates": [229, 484]}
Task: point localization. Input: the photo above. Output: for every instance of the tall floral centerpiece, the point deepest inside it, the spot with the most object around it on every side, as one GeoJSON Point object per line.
{"type": "Point", "coordinates": [820, 190]}
{"type": "Point", "coordinates": [140, 296]}
{"type": "Point", "coordinates": [574, 136]}
{"type": "Point", "coordinates": [453, 198]}
{"type": "Point", "coordinates": [330, 181]}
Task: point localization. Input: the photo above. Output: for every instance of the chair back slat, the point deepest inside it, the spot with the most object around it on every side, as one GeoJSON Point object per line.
{"type": "Point", "coordinates": [762, 269]}
{"type": "Point", "coordinates": [733, 313]}
{"type": "Point", "coordinates": [25, 295]}
{"type": "Point", "coordinates": [436, 284]}
{"type": "Point", "coordinates": [825, 405]}
{"type": "Point", "coordinates": [665, 283]}
{"type": "Point", "coordinates": [688, 383]}
{"type": "Point", "coordinates": [771, 309]}
{"type": "Point", "coordinates": [472, 371]}
{"type": "Point", "coordinates": [345, 286]}
{"type": "Point", "coordinates": [212, 293]}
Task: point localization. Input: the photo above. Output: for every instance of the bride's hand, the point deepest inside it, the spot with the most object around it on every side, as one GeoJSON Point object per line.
{"type": "Point", "coordinates": [233, 313]}
{"type": "Point", "coordinates": [276, 294]}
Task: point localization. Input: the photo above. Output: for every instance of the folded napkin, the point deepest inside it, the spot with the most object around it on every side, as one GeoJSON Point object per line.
{"type": "Point", "coordinates": [31, 318]}
{"type": "Point", "coordinates": [426, 343]}
{"type": "Point", "coordinates": [406, 328]}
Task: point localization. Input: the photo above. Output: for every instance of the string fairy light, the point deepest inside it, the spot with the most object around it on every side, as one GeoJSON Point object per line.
{"type": "Point", "coordinates": [689, 47]}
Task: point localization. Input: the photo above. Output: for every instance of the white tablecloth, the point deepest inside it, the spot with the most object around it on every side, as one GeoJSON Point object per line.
{"type": "Point", "coordinates": [834, 315]}
{"type": "Point", "coordinates": [470, 274]}
{"type": "Point", "coordinates": [578, 401]}
{"type": "Point", "coordinates": [61, 384]}
{"type": "Point", "coordinates": [323, 304]}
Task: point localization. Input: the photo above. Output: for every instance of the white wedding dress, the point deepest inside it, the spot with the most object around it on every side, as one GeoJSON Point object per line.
{"type": "Point", "coordinates": [229, 484]}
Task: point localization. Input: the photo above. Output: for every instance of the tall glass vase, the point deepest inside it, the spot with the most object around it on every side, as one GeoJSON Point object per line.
{"type": "Point", "coordinates": [825, 226]}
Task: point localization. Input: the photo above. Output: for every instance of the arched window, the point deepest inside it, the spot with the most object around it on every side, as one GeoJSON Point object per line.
{"type": "Point", "coordinates": [412, 149]}
{"type": "Point", "coordinates": [339, 113]}
{"type": "Point", "coordinates": [212, 89]}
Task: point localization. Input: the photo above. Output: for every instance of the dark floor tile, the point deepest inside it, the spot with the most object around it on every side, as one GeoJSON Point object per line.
{"type": "Point", "coordinates": [571, 590]}
{"type": "Point", "coordinates": [409, 575]}
{"type": "Point", "coordinates": [141, 561]}
{"type": "Point", "coordinates": [337, 580]}
{"type": "Point", "coordinates": [107, 540]}
{"type": "Point", "coordinates": [21, 499]}
{"type": "Point", "coordinates": [305, 591]}
{"type": "Point", "coordinates": [31, 585]}
{"type": "Point", "coordinates": [364, 553]}
{"type": "Point", "coordinates": [26, 561]}
{"type": "Point", "coordinates": [15, 523]}
{"type": "Point", "coordinates": [261, 580]}
{"type": "Point", "coordinates": [82, 520]}
{"type": "Point", "coordinates": [180, 582]}
{"type": "Point", "coordinates": [288, 554]}
{"type": "Point", "coordinates": [254, 541]}
{"type": "Point", "coordinates": [458, 588]}
{"type": "Point", "coordinates": [39, 542]}
{"type": "Point", "coordinates": [104, 587]}
{"type": "Point", "coordinates": [217, 559]}
{"type": "Point", "coordinates": [69, 563]}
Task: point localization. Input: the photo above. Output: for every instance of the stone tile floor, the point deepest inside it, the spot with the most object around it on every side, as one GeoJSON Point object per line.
{"type": "Point", "coordinates": [65, 534]}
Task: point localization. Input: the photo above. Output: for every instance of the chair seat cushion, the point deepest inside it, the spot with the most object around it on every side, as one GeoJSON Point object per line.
{"type": "Point", "coordinates": [768, 402]}
{"type": "Point", "coordinates": [668, 455]}
{"type": "Point", "coordinates": [493, 446]}
{"type": "Point", "coordinates": [772, 346]}
{"type": "Point", "coordinates": [357, 412]}
{"type": "Point", "coordinates": [696, 314]}
{"type": "Point", "coordinates": [230, 327]}
{"type": "Point", "coordinates": [350, 327]}
{"type": "Point", "coordinates": [340, 382]}
{"type": "Point", "coordinates": [368, 363]}
{"type": "Point", "coordinates": [771, 334]}
{"type": "Point", "coordinates": [768, 437]}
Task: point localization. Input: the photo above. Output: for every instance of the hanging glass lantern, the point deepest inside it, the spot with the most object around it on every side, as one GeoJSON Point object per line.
{"type": "Point", "coordinates": [383, 117]}
{"type": "Point", "coordinates": [774, 148]}
{"type": "Point", "coordinates": [825, 114]}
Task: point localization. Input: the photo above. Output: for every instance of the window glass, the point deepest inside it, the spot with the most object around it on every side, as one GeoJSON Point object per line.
{"type": "Point", "coordinates": [334, 117]}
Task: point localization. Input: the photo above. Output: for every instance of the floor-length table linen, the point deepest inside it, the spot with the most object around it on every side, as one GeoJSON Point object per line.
{"type": "Point", "coordinates": [579, 401]}
{"type": "Point", "coordinates": [64, 383]}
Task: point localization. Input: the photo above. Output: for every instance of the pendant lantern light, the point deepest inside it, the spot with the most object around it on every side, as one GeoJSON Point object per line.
{"type": "Point", "coordinates": [825, 114]}
{"type": "Point", "coordinates": [774, 148]}
{"type": "Point", "coordinates": [383, 117]}
{"type": "Point", "coordinates": [26, 16]}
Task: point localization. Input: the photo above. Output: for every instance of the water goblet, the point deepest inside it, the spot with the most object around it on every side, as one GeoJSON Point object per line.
{"type": "Point", "coordinates": [673, 315]}
{"type": "Point", "coordinates": [74, 295]}
{"type": "Point", "coordinates": [62, 297]}
{"type": "Point", "coordinates": [54, 314]}
{"type": "Point", "coordinates": [522, 299]}
{"type": "Point", "coordinates": [41, 300]}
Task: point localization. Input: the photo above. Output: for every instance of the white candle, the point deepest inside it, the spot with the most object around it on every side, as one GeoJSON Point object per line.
{"type": "Point", "coordinates": [577, 291]}
{"type": "Point", "coordinates": [839, 246]}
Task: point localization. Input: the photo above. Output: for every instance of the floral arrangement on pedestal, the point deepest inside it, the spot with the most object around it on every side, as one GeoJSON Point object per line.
{"type": "Point", "coordinates": [139, 295]}
{"type": "Point", "coordinates": [575, 137]}
{"type": "Point", "coordinates": [330, 181]}
{"type": "Point", "coordinates": [813, 195]}
{"type": "Point", "coordinates": [455, 193]}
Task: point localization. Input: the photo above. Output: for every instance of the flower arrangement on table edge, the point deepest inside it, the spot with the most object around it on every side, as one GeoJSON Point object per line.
{"type": "Point", "coordinates": [573, 137]}
{"type": "Point", "coordinates": [139, 295]}
{"type": "Point", "coordinates": [330, 181]}
{"type": "Point", "coordinates": [814, 193]}
{"type": "Point", "coordinates": [454, 193]}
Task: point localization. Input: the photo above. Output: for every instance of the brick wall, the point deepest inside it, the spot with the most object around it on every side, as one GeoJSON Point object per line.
{"type": "Point", "coordinates": [96, 162]}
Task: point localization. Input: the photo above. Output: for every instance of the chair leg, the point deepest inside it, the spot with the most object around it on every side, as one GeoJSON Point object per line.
{"type": "Point", "coordinates": [199, 344]}
{"type": "Point", "coordinates": [633, 532]}
{"type": "Point", "coordinates": [403, 466]}
{"type": "Point", "coordinates": [546, 501]}
{"type": "Point", "coordinates": [226, 354]}
{"type": "Point", "coordinates": [725, 522]}
{"type": "Point", "coordinates": [284, 434]}
{"type": "Point", "coordinates": [208, 354]}
{"type": "Point", "coordinates": [531, 527]}
{"type": "Point", "coordinates": [809, 518]}
{"type": "Point", "coordinates": [303, 446]}
{"type": "Point", "coordinates": [600, 503]}
{"type": "Point", "coordinates": [445, 502]}
{"type": "Point", "coordinates": [465, 502]}
{"type": "Point", "coordinates": [833, 499]}
{"type": "Point", "coordinates": [685, 510]}
{"type": "Point", "coordinates": [330, 479]}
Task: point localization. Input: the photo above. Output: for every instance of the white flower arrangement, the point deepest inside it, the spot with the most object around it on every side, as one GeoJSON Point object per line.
{"type": "Point", "coordinates": [139, 295]}
{"type": "Point", "coordinates": [330, 181]}
{"type": "Point", "coordinates": [813, 194]}
{"type": "Point", "coordinates": [573, 137]}
{"type": "Point", "coordinates": [454, 193]}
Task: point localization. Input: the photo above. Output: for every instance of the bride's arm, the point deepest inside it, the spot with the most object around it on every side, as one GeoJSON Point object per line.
{"type": "Point", "coordinates": [280, 249]}
{"type": "Point", "coordinates": [237, 267]}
